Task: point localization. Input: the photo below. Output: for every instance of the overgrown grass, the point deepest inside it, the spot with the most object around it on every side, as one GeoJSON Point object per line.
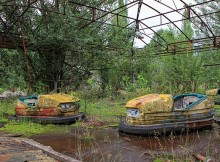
{"type": "Point", "coordinates": [217, 110]}
{"type": "Point", "coordinates": [6, 107]}
{"type": "Point", "coordinates": [29, 129]}
{"type": "Point", "coordinates": [206, 145]}
{"type": "Point", "coordinates": [103, 109]}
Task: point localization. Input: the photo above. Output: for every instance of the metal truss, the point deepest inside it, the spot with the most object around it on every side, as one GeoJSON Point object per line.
{"type": "Point", "coordinates": [145, 19]}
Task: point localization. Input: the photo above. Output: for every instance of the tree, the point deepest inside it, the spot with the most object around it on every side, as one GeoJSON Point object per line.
{"type": "Point", "coordinates": [62, 52]}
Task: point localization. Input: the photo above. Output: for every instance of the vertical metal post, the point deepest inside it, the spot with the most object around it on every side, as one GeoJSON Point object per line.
{"type": "Point", "coordinates": [27, 63]}
{"type": "Point", "coordinates": [161, 19]}
{"type": "Point", "coordinates": [93, 14]}
{"type": "Point", "coordinates": [214, 41]}
{"type": "Point", "coordinates": [188, 12]}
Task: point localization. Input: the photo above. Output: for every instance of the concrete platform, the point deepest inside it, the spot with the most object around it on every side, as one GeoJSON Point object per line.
{"type": "Point", "coordinates": [27, 150]}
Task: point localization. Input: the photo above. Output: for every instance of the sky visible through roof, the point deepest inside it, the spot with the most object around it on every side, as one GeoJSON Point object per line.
{"type": "Point", "coordinates": [153, 9]}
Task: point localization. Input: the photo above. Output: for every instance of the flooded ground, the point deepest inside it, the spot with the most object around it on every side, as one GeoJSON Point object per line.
{"type": "Point", "coordinates": [108, 145]}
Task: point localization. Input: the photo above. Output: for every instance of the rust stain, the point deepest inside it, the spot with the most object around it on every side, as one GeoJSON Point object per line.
{"type": "Point", "coordinates": [159, 108]}
{"type": "Point", "coordinates": [47, 105]}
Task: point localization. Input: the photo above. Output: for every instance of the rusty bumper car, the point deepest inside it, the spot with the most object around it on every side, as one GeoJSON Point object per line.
{"type": "Point", "coordinates": [48, 109]}
{"type": "Point", "coordinates": [162, 113]}
{"type": "Point", "coordinates": [214, 94]}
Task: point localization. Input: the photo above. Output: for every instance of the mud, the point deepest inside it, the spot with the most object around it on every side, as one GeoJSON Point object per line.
{"type": "Point", "coordinates": [108, 145]}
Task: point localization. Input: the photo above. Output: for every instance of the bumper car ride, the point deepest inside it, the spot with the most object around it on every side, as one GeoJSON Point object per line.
{"type": "Point", "coordinates": [161, 113]}
{"type": "Point", "coordinates": [214, 94]}
{"type": "Point", "coordinates": [48, 109]}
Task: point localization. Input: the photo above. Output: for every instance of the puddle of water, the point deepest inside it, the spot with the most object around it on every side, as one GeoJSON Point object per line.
{"type": "Point", "coordinates": [108, 145]}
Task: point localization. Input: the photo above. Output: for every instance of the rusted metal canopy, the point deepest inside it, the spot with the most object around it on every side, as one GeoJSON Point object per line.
{"type": "Point", "coordinates": [144, 17]}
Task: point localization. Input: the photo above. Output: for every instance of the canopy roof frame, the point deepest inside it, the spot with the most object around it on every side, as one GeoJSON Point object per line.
{"type": "Point", "coordinates": [136, 23]}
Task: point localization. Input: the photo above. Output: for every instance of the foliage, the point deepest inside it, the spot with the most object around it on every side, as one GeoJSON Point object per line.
{"type": "Point", "coordinates": [62, 54]}
{"type": "Point", "coordinates": [65, 53]}
{"type": "Point", "coordinates": [11, 77]}
{"type": "Point", "coordinates": [182, 73]}
{"type": "Point", "coordinates": [1, 90]}
{"type": "Point", "coordinates": [6, 107]}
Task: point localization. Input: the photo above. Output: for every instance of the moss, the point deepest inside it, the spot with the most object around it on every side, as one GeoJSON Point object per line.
{"type": "Point", "coordinates": [158, 160]}
{"type": "Point", "coordinates": [29, 129]}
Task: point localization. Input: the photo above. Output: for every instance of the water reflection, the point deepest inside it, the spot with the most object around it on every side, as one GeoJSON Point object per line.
{"type": "Point", "coordinates": [108, 145]}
